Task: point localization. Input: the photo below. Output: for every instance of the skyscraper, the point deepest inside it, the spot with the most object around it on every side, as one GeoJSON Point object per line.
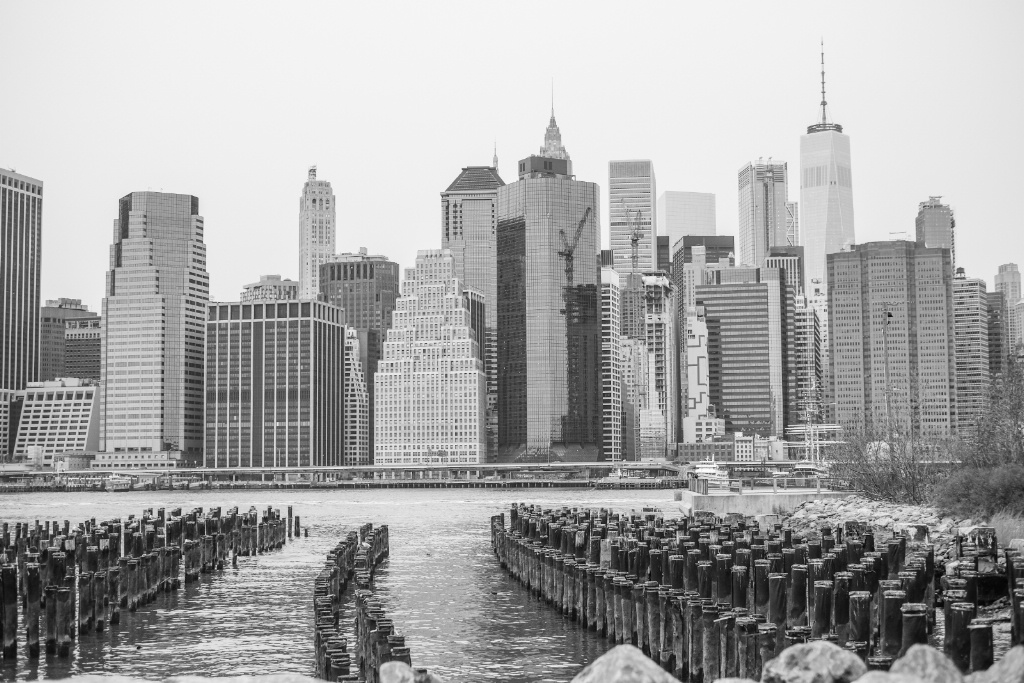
{"type": "Point", "coordinates": [685, 213]}
{"type": "Point", "coordinates": [791, 260]}
{"type": "Point", "coordinates": [632, 205]}
{"type": "Point", "coordinates": [83, 346]}
{"type": "Point", "coordinates": [53, 321]}
{"type": "Point", "coordinates": [154, 314]}
{"type": "Point", "coordinates": [1008, 282]}
{"type": "Point", "coordinates": [549, 319]}
{"type": "Point", "coordinates": [762, 209]}
{"type": "Point", "coordinates": [468, 224]}
{"type": "Point", "coordinates": [357, 407]}
{"type": "Point", "coordinates": [317, 213]}
{"type": "Point", "coordinates": [366, 286]}
{"type": "Point", "coordinates": [936, 226]}
{"type": "Point", "coordinates": [661, 328]}
{"type": "Point", "coordinates": [21, 221]}
{"type": "Point", "coordinates": [893, 359]}
{"type": "Point", "coordinates": [807, 364]}
{"type": "Point", "coordinates": [970, 332]}
{"type": "Point", "coordinates": [431, 385]}
{"type": "Point", "coordinates": [792, 224]}
{"type": "Point", "coordinates": [826, 191]}
{"type": "Point", "coordinates": [275, 380]}
{"type": "Point", "coordinates": [611, 361]}
{"type": "Point", "coordinates": [998, 334]}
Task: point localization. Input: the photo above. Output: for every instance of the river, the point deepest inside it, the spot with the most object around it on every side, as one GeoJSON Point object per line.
{"type": "Point", "coordinates": [461, 616]}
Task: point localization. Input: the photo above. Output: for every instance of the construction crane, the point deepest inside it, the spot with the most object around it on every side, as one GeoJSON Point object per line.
{"type": "Point", "coordinates": [568, 252]}
{"type": "Point", "coordinates": [634, 308]}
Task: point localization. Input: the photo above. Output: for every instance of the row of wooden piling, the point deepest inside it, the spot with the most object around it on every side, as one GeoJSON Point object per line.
{"type": "Point", "coordinates": [77, 580]}
{"type": "Point", "coordinates": [707, 600]}
{"type": "Point", "coordinates": [355, 558]}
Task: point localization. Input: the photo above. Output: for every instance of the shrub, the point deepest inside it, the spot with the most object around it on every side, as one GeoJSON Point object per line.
{"type": "Point", "coordinates": [1008, 526]}
{"type": "Point", "coordinates": [981, 492]}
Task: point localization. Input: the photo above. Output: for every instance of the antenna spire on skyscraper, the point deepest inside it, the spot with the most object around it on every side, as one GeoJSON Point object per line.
{"type": "Point", "coordinates": [823, 102]}
{"type": "Point", "coordinates": [552, 98]}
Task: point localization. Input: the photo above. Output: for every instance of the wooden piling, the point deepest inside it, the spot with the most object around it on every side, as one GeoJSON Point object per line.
{"type": "Point", "coordinates": [9, 608]}
{"type": "Point", "coordinates": [65, 614]}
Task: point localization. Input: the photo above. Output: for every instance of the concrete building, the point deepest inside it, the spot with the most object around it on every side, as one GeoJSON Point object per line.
{"type": "Point", "coordinates": [21, 231]}
{"type": "Point", "coordinates": [56, 417]}
{"type": "Point", "coordinates": [749, 314]}
{"type": "Point", "coordinates": [632, 205]}
{"type": "Point", "coordinates": [317, 221]}
{"type": "Point", "coordinates": [998, 334]}
{"type": "Point", "coordinates": [468, 227]}
{"type": "Point", "coordinates": [807, 365]}
{"type": "Point", "coordinates": [826, 192]}
{"type": "Point", "coordinates": [53, 324]}
{"type": "Point", "coordinates": [356, 408]}
{"type": "Point", "coordinates": [891, 332]}
{"type": "Point", "coordinates": [662, 331]}
{"type": "Point", "coordinates": [686, 213]}
{"type": "Point", "coordinates": [936, 226]}
{"type": "Point", "coordinates": [151, 396]}
{"type": "Point", "coordinates": [275, 381]}
{"type": "Point", "coordinates": [1007, 281]}
{"type": "Point", "coordinates": [699, 421]}
{"type": "Point", "coordinates": [691, 257]}
{"type": "Point", "coordinates": [635, 395]}
{"type": "Point", "coordinates": [792, 224]}
{"type": "Point", "coordinates": [549, 324]}
{"type": "Point", "coordinates": [83, 344]}
{"type": "Point", "coordinates": [431, 391]}
{"type": "Point", "coordinates": [762, 209]}
{"type": "Point", "coordinates": [611, 362]}
{"type": "Point", "coordinates": [970, 332]}
{"type": "Point", "coordinates": [270, 288]}
{"type": "Point", "coordinates": [366, 287]}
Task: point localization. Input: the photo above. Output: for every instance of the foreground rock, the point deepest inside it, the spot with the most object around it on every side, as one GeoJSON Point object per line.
{"type": "Point", "coordinates": [927, 664]}
{"type": "Point", "coordinates": [1009, 669]}
{"type": "Point", "coordinates": [817, 662]}
{"type": "Point", "coordinates": [623, 664]}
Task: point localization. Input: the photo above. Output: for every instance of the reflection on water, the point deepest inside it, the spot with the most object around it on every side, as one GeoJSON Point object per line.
{"type": "Point", "coordinates": [462, 617]}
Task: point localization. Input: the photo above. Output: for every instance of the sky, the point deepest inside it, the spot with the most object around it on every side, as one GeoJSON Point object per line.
{"type": "Point", "coordinates": [232, 102]}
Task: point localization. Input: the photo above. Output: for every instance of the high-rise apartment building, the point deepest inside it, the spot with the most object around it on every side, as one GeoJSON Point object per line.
{"type": "Point", "coordinates": [762, 209]}
{"type": "Point", "coordinates": [275, 375]}
{"type": "Point", "coordinates": [970, 332]}
{"type": "Point", "coordinates": [661, 327]}
{"type": "Point", "coordinates": [549, 319]}
{"type": "Point", "coordinates": [270, 288]}
{"type": "Point", "coordinates": [53, 319]}
{"type": "Point", "coordinates": [699, 421]}
{"type": "Point", "coordinates": [807, 367]}
{"type": "Point", "coordinates": [154, 313]}
{"type": "Point", "coordinates": [826, 192]}
{"type": "Point", "coordinates": [468, 225]}
{"type": "Point", "coordinates": [998, 334]}
{"type": "Point", "coordinates": [366, 287]}
{"type": "Point", "coordinates": [356, 408]}
{"type": "Point", "coordinates": [431, 385]}
{"type": "Point", "coordinates": [936, 226]}
{"type": "Point", "coordinates": [635, 382]}
{"type": "Point", "coordinates": [611, 361]}
{"type": "Point", "coordinates": [632, 207]}
{"type": "Point", "coordinates": [57, 417]}
{"type": "Point", "coordinates": [891, 333]}
{"type": "Point", "coordinates": [686, 213]}
{"type": "Point", "coordinates": [317, 213]}
{"type": "Point", "coordinates": [749, 314]}
{"type": "Point", "coordinates": [792, 224]}
{"type": "Point", "coordinates": [83, 345]}
{"type": "Point", "coordinates": [1008, 282]}
{"type": "Point", "coordinates": [21, 229]}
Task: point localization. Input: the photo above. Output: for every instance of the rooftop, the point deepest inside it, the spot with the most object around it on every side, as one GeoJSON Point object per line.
{"type": "Point", "coordinates": [476, 179]}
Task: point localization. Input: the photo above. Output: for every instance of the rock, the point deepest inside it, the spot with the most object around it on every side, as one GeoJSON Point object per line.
{"type": "Point", "coordinates": [889, 677]}
{"type": "Point", "coordinates": [734, 680]}
{"type": "Point", "coordinates": [396, 672]}
{"type": "Point", "coordinates": [928, 664]}
{"type": "Point", "coordinates": [1016, 544]}
{"type": "Point", "coordinates": [623, 664]}
{"type": "Point", "coordinates": [882, 522]}
{"type": "Point", "coordinates": [1009, 669]}
{"type": "Point", "coordinates": [815, 662]}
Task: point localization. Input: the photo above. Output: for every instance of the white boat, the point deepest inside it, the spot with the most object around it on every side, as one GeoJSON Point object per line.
{"type": "Point", "coordinates": [717, 476]}
{"type": "Point", "coordinates": [118, 483]}
{"type": "Point", "coordinates": [806, 468]}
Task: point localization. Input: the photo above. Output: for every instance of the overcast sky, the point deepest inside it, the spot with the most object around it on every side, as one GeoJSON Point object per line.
{"type": "Point", "coordinates": [232, 102]}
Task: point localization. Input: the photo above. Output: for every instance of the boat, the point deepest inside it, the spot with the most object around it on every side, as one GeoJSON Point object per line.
{"type": "Point", "coordinates": [118, 483]}
{"type": "Point", "coordinates": [717, 476]}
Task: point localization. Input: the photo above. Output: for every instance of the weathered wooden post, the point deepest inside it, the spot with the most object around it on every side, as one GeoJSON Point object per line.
{"type": "Point", "coordinates": [34, 596]}
{"type": "Point", "coordinates": [65, 614]}
{"type": "Point", "coordinates": [980, 634]}
{"type": "Point", "coordinates": [51, 619]}
{"type": "Point", "coordinates": [959, 650]}
{"type": "Point", "coordinates": [9, 606]}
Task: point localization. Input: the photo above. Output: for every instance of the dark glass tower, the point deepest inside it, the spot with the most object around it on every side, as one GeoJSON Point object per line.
{"type": "Point", "coordinates": [21, 220]}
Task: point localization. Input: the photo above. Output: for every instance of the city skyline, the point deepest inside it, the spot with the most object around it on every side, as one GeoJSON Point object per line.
{"type": "Point", "coordinates": [248, 191]}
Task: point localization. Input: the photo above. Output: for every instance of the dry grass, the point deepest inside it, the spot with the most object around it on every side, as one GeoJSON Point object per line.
{"type": "Point", "coordinates": [1008, 526]}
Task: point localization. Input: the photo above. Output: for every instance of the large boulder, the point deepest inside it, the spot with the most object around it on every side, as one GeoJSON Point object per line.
{"type": "Point", "coordinates": [1009, 669]}
{"type": "Point", "coordinates": [928, 664]}
{"type": "Point", "coordinates": [889, 677]}
{"type": "Point", "coordinates": [623, 664]}
{"type": "Point", "coordinates": [816, 662]}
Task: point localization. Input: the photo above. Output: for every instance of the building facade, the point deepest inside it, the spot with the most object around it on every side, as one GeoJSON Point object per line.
{"type": "Point", "coordinates": [936, 226]}
{"type": "Point", "coordinates": [357, 404]}
{"type": "Point", "coordinates": [275, 381]}
{"type": "Point", "coordinates": [56, 417]}
{"type": "Point", "coordinates": [791, 261]}
{"type": "Point", "coordinates": [661, 326]}
{"type": "Point", "coordinates": [1007, 281]}
{"type": "Point", "coordinates": [632, 206]}
{"type": "Point", "coordinates": [635, 383]}
{"type": "Point", "coordinates": [317, 221]}
{"type": "Point", "coordinates": [21, 234]}
{"type": "Point", "coordinates": [611, 360]}
{"type": "Point", "coordinates": [686, 213]}
{"type": "Point", "coordinates": [549, 325]}
{"type": "Point", "coordinates": [891, 333]}
{"type": "Point", "coordinates": [998, 334]}
{"type": "Point", "coordinates": [53, 326]}
{"type": "Point", "coordinates": [792, 224]}
{"type": "Point", "coordinates": [270, 288]}
{"type": "Point", "coordinates": [762, 209]}
{"type": "Point", "coordinates": [807, 365]}
{"type": "Point", "coordinates": [431, 387]}
{"type": "Point", "coordinates": [970, 332]}
{"type": "Point", "coordinates": [82, 347]}
{"type": "Point", "coordinates": [468, 228]}
{"type": "Point", "coordinates": [366, 287]}
{"type": "Point", "coordinates": [152, 354]}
